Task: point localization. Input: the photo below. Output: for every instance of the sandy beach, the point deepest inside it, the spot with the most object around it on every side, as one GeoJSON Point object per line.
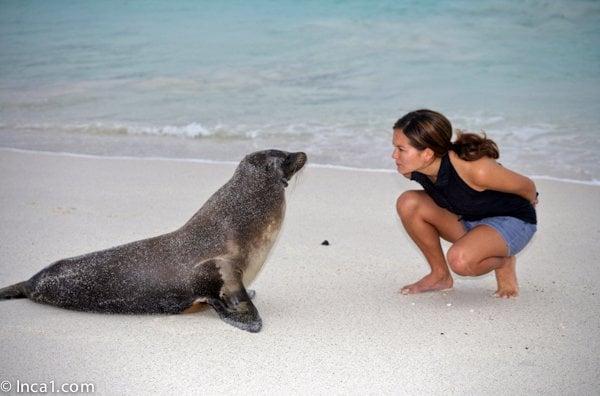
{"type": "Point", "coordinates": [334, 322]}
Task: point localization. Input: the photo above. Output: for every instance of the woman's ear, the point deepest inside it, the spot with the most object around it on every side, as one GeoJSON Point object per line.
{"type": "Point", "coordinates": [428, 154]}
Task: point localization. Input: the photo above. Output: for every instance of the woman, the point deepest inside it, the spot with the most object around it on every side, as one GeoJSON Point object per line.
{"type": "Point", "coordinates": [485, 210]}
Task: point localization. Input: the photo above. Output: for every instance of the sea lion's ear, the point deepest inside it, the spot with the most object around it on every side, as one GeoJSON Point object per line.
{"type": "Point", "coordinates": [272, 163]}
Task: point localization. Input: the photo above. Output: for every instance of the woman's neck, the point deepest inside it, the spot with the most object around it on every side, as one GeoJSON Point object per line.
{"type": "Point", "coordinates": [432, 169]}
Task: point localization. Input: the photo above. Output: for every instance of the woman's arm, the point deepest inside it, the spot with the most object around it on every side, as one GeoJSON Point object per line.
{"type": "Point", "coordinates": [490, 175]}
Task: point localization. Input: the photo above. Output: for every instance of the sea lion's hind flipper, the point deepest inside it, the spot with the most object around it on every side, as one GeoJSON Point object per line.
{"type": "Point", "coordinates": [18, 290]}
{"type": "Point", "coordinates": [238, 311]}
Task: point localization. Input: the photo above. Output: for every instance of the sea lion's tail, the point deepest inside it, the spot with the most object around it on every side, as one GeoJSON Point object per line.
{"type": "Point", "coordinates": [18, 290]}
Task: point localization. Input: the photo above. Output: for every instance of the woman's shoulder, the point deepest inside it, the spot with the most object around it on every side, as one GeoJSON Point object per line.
{"type": "Point", "coordinates": [471, 172]}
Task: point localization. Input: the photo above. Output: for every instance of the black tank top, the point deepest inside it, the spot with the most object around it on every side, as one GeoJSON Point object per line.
{"type": "Point", "coordinates": [450, 192]}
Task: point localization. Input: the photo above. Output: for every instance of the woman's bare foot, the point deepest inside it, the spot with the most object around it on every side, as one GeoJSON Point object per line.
{"type": "Point", "coordinates": [431, 282]}
{"type": "Point", "coordinates": [506, 277]}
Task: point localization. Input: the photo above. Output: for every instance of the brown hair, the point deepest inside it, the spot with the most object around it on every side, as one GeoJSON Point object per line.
{"type": "Point", "coordinates": [430, 129]}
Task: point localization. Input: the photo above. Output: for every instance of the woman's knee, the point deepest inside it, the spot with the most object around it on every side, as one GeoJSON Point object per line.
{"type": "Point", "coordinates": [408, 203]}
{"type": "Point", "coordinates": [458, 260]}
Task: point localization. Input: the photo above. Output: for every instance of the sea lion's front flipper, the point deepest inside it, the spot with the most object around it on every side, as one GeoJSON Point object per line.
{"type": "Point", "coordinates": [237, 310]}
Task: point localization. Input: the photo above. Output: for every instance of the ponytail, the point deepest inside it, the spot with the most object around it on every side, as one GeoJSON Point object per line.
{"type": "Point", "coordinates": [471, 146]}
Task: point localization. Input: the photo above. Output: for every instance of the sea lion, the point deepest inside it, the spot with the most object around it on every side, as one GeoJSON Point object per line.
{"type": "Point", "coordinates": [211, 259]}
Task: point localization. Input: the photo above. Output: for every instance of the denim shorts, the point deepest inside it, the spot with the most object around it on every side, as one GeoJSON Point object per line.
{"type": "Point", "coordinates": [516, 232]}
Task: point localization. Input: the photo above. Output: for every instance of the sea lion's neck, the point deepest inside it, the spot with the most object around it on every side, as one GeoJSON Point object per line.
{"type": "Point", "coordinates": [249, 201]}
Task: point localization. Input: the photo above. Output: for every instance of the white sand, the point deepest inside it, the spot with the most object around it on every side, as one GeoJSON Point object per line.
{"type": "Point", "coordinates": [333, 321]}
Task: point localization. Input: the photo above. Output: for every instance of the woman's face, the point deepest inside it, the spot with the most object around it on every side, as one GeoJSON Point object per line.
{"type": "Point", "coordinates": [408, 158]}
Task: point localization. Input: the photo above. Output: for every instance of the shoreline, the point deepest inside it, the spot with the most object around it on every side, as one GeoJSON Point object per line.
{"type": "Point", "coordinates": [594, 183]}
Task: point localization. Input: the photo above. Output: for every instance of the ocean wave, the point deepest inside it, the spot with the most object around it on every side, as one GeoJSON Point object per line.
{"type": "Point", "coordinates": [534, 148]}
{"type": "Point", "coordinates": [199, 130]}
{"type": "Point", "coordinates": [191, 130]}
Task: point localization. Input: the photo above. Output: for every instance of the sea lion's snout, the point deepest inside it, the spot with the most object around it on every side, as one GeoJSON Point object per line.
{"type": "Point", "coordinates": [293, 163]}
{"type": "Point", "coordinates": [275, 163]}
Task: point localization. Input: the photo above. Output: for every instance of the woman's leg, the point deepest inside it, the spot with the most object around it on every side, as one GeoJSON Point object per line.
{"type": "Point", "coordinates": [482, 250]}
{"type": "Point", "coordinates": [426, 222]}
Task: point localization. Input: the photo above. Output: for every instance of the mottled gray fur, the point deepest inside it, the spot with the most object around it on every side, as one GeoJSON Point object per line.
{"type": "Point", "coordinates": [212, 258]}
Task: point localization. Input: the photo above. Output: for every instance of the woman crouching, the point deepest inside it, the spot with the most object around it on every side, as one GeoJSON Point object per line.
{"type": "Point", "coordinates": [485, 210]}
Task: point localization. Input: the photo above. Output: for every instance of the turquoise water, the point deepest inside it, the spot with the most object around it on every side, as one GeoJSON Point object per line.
{"type": "Point", "coordinates": [217, 79]}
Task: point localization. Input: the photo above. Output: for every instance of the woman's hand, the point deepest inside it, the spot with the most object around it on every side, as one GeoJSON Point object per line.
{"type": "Point", "coordinates": [536, 200]}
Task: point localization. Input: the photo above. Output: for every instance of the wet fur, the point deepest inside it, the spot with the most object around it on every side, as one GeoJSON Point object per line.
{"type": "Point", "coordinates": [212, 258]}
